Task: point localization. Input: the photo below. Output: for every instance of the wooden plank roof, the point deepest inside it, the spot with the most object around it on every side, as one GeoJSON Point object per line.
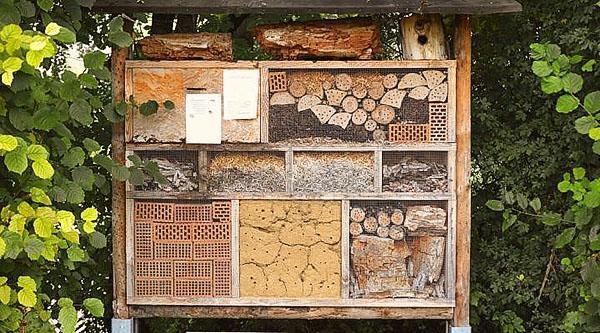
{"type": "Point", "coordinates": [309, 6]}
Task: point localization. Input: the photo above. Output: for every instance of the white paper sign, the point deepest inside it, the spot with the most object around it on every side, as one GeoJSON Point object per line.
{"type": "Point", "coordinates": [203, 118]}
{"type": "Point", "coordinates": [240, 93]}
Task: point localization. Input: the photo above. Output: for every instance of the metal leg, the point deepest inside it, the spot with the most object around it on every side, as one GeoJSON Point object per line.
{"type": "Point", "coordinates": [466, 329]}
{"type": "Point", "coordinates": [123, 326]}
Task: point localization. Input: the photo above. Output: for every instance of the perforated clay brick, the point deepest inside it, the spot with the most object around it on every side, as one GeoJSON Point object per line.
{"type": "Point", "coordinates": [277, 81]}
{"type": "Point", "coordinates": [153, 211]}
{"type": "Point", "coordinates": [194, 269]}
{"type": "Point", "coordinates": [172, 232]}
{"type": "Point", "coordinates": [193, 213]}
{"type": "Point", "coordinates": [217, 250]}
{"type": "Point", "coordinates": [143, 240]}
{"type": "Point", "coordinates": [153, 287]}
{"type": "Point", "coordinates": [154, 269]}
{"type": "Point", "coordinates": [408, 132]}
{"type": "Point", "coordinates": [222, 278]}
{"type": "Point", "coordinates": [173, 251]}
{"type": "Point", "coordinates": [438, 122]}
{"type": "Point", "coordinates": [221, 211]}
{"type": "Point", "coordinates": [193, 288]}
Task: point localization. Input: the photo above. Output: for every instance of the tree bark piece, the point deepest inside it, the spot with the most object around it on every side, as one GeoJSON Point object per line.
{"type": "Point", "coordinates": [419, 93]}
{"type": "Point", "coordinates": [323, 112]}
{"type": "Point", "coordinates": [335, 97]}
{"type": "Point", "coordinates": [434, 78]}
{"type": "Point", "coordinates": [282, 98]}
{"type": "Point", "coordinates": [357, 214]}
{"type": "Point", "coordinates": [428, 261]}
{"type": "Point", "coordinates": [370, 224]}
{"type": "Point", "coordinates": [439, 93]}
{"type": "Point", "coordinates": [205, 46]}
{"type": "Point", "coordinates": [341, 119]}
{"type": "Point", "coordinates": [411, 80]}
{"type": "Point", "coordinates": [330, 39]}
{"type": "Point", "coordinates": [427, 219]}
{"type": "Point", "coordinates": [350, 104]}
{"type": "Point", "coordinates": [423, 37]}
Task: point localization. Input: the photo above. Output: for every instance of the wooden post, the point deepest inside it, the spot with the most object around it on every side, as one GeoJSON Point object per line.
{"type": "Point", "coordinates": [120, 308]}
{"type": "Point", "coordinates": [423, 37]}
{"type": "Point", "coordinates": [462, 52]}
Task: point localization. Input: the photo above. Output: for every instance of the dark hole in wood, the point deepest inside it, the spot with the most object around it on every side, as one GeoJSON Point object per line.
{"type": "Point", "coordinates": [422, 40]}
{"type": "Point", "coordinates": [196, 89]}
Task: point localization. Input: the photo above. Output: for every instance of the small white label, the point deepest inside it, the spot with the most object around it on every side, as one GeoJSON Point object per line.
{"type": "Point", "coordinates": [203, 118]}
{"type": "Point", "coordinates": [240, 93]}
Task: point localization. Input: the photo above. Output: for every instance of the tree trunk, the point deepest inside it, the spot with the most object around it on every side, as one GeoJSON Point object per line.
{"type": "Point", "coordinates": [206, 46]}
{"type": "Point", "coordinates": [334, 39]}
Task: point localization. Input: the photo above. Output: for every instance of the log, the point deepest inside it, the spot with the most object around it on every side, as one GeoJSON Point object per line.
{"type": "Point", "coordinates": [370, 125]}
{"type": "Point", "coordinates": [397, 217]}
{"type": "Point", "coordinates": [394, 98]}
{"type": "Point", "coordinates": [343, 82]}
{"type": "Point", "coordinates": [359, 90]}
{"type": "Point", "coordinates": [359, 117]}
{"type": "Point", "coordinates": [341, 119]}
{"type": "Point", "coordinates": [357, 214]}
{"type": "Point", "coordinates": [329, 39]}
{"type": "Point", "coordinates": [307, 102]}
{"type": "Point", "coordinates": [369, 104]}
{"type": "Point", "coordinates": [335, 96]}
{"type": "Point", "coordinates": [323, 112]}
{"type": "Point", "coordinates": [355, 229]}
{"type": "Point", "coordinates": [383, 232]}
{"type": "Point", "coordinates": [370, 224]}
{"type": "Point", "coordinates": [204, 45]}
{"type": "Point", "coordinates": [383, 114]}
{"type": "Point", "coordinates": [425, 219]}
{"type": "Point", "coordinates": [297, 89]}
{"type": "Point", "coordinates": [383, 219]}
{"type": "Point", "coordinates": [390, 81]}
{"type": "Point", "coordinates": [423, 37]}
{"type": "Point", "coordinates": [350, 104]}
{"type": "Point", "coordinates": [282, 98]}
{"type": "Point", "coordinates": [397, 233]}
{"type": "Point", "coordinates": [376, 90]}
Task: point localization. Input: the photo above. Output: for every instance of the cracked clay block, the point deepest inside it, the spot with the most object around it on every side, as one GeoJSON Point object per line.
{"type": "Point", "coordinates": [290, 249]}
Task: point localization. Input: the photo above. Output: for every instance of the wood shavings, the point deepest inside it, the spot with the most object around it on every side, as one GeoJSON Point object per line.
{"type": "Point", "coordinates": [333, 172]}
{"type": "Point", "coordinates": [246, 172]}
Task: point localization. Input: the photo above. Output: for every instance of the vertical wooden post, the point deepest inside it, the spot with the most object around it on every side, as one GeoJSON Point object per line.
{"type": "Point", "coordinates": [121, 311]}
{"type": "Point", "coordinates": [462, 52]}
{"type": "Point", "coordinates": [423, 37]}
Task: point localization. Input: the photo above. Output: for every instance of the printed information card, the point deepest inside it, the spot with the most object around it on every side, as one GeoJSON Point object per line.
{"type": "Point", "coordinates": [240, 93]}
{"type": "Point", "coordinates": [203, 118]}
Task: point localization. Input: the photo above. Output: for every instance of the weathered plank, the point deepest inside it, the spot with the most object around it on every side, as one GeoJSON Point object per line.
{"type": "Point", "coordinates": [202, 45]}
{"type": "Point", "coordinates": [423, 37]}
{"type": "Point", "coordinates": [310, 6]}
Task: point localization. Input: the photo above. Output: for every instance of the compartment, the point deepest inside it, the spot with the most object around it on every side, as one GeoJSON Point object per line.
{"type": "Point", "coordinates": [179, 167]}
{"type": "Point", "coordinates": [398, 249]}
{"type": "Point", "coordinates": [246, 172]}
{"type": "Point", "coordinates": [416, 172]}
{"type": "Point", "coordinates": [316, 105]}
{"type": "Point", "coordinates": [182, 248]}
{"type": "Point", "coordinates": [345, 172]}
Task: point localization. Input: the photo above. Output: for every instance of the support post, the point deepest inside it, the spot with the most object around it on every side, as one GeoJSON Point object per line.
{"type": "Point", "coordinates": [123, 326]}
{"type": "Point", "coordinates": [120, 309]}
{"type": "Point", "coordinates": [462, 52]}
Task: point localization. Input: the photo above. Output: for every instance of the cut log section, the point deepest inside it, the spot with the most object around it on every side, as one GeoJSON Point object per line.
{"type": "Point", "coordinates": [355, 229]}
{"type": "Point", "coordinates": [390, 81]}
{"type": "Point", "coordinates": [397, 217]}
{"type": "Point", "coordinates": [394, 98]}
{"type": "Point", "coordinates": [383, 232]}
{"type": "Point", "coordinates": [397, 233]}
{"type": "Point", "coordinates": [439, 93]}
{"type": "Point", "coordinates": [376, 90]}
{"type": "Point", "coordinates": [357, 214]}
{"type": "Point", "coordinates": [411, 80]}
{"type": "Point", "coordinates": [426, 219]}
{"type": "Point", "coordinates": [359, 90]}
{"type": "Point", "coordinates": [341, 39]}
{"type": "Point", "coordinates": [370, 125]}
{"type": "Point", "coordinates": [341, 119]}
{"type": "Point", "coordinates": [205, 46]}
{"type": "Point", "coordinates": [383, 219]}
{"type": "Point", "coordinates": [343, 82]}
{"type": "Point", "coordinates": [434, 78]}
{"type": "Point", "coordinates": [297, 89]}
{"type": "Point", "coordinates": [323, 112]}
{"type": "Point", "coordinates": [369, 104]}
{"type": "Point", "coordinates": [350, 104]}
{"type": "Point", "coordinates": [419, 93]}
{"type": "Point", "coordinates": [379, 135]}
{"type": "Point", "coordinates": [282, 98]}
{"type": "Point", "coordinates": [307, 102]}
{"type": "Point", "coordinates": [335, 97]}
{"type": "Point", "coordinates": [370, 224]}
{"type": "Point", "coordinates": [383, 114]}
{"type": "Point", "coordinates": [359, 117]}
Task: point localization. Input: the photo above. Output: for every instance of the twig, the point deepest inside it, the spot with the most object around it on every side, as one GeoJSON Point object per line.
{"type": "Point", "coordinates": [548, 269]}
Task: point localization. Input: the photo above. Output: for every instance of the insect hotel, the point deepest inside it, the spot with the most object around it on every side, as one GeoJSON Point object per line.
{"type": "Point", "coordinates": [335, 187]}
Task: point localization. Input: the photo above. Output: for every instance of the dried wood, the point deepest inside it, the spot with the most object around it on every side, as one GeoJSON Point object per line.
{"type": "Point", "coordinates": [379, 135]}
{"type": "Point", "coordinates": [415, 175]}
{"type": "Point", "coordinates": [433, 77]}
{"type": "Point", "coordinates": [370, 125]}
{"type": "Point", "coordinates": [323, 112]}
{"type": "Point", "coordinates": [393, 98]}
{"type": "Point", "coordinates": [397, 233]}
{"type": "Point", "coordinates": [355, 229]}
{"type": "Point", "coordinates": [439, 93]}
{"type": "Point", "coordinates": [307, 102]}
{"type": "Point", "coordinates": [383, 232]}
{"type": "Point", "coordinates": [428, 261]}
{"type": "Point", "coordinates": [376, 90]}
{"type": "Point", "coordinates": [370, 224]}
{"type": "Point", "coordinates": [181, 176]}
{"type": "Point", "coordinates": [419, 93]}
{"type": "Point", "coordinates": [297, 89]}
{"type": "Point", "coordinates": [411, 80]}
{"type": "Point", "coordinates": [185, 46]}
{"type": "Point", "coordinates": [359, 117]}
{"type": "Point", "coordinates": [359, 90]}
{"type": "Point", "coordinates": [383, 114]}
{"type": "Point", "coordinates": [343, 82]}
{"type": "Point", "coordinates": [357, 214]}
{"type": "Point", "coordinates": [383, 219]}
{"type": "Point", "coordinates": [342, 39]}
{"type": "Point", "coordinates": [390, 81]}
{"type": "Point", "coordinates": [282, 98]}
{"type": "Point", "coordinates": [335, 97]}
{"type": "Point", "coordinates": [397, 217]}
{"type": "Point", "coordinates": [425, 219]}
{"type": "Point", "coordinates": [423, 37]}
{"type": "Point", "coordinates": [350, 104]}
{"type": "Point", "coordinates": [369, 104]}
{"type": "Point", "coordinates": [341, 119]}
{"type": "Point", "coordinates": [247, 172]}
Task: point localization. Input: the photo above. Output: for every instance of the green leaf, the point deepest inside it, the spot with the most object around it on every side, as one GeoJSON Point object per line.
{"type": "Point", "coordinates": [26, 282]}
{"type": "Point", "coordinates": [27, 298]}
{"type": "Point", "coordinates": [567, 103]}
{"type": "Point", "coordinates": [591, 101]}
{"type": "Point", "coordinates": [45, 5]}
{"type": "Point", "coordinates": [508, 222]}
{"type": "Point", "coordinates": [573, 60]}
{"type": "Point", "coordinates": [66, 219]}
{"type": "Point", "coordinates": [120, 38]}
{"type": "Point", "coordinates": [34, 58]}
{"type": "Point", "coordinates": [97, 240]}
{"type": "Point", "coordinates": [148, 108]}
{"type": "Point", "coordinates": [88, 81]}
{"type": "Point", "coordinates": [584, 124]}
{"type": "Point", "coordinates": [572, 83]}
{"type": "Point", "coordinates": [94, 306]}
{"type": "Point", "coordinates": [16, 160]}
{"type": "Point", "coordinates": [39, 196]}
{"type": "Point", "coordinates": [94, 60]}
{"type": "Point", "coordinates": [65, 302]}
{"type": "Point", "coordinates": [136, 176]}
{"type": "Point", "coordinates": [72, 236]}
{"type": "Point", "coordinates": [17, 223]}
{"type": "Point", "coordinates": [578, 173]}
{"type": "Point", "coordinates": [89, 214]}
{"type": "Point", "coordinates": [592, 199]}
{"type": "Point", "coordinates": [91, 145]}
{"type": "Point", "coordinates": [552, 51]}
{"type": "Point", "coordinates": [74, 193]}
{"type": "Point", "coordinates": [37, 153]}
{"type": "Point", "coordinates": [33, 247]}
{"type": "Point", "coordinates": [541, 68]}
{"type": "Point", "coordinates": [5, 294]}
{"type": "Point", "coordinates": [8, 142]}
{"type": "Point", "coordinates": [10, 31]}
{"type": "Point", "coordinates": [595, 288]}
{"type": "Point", "coordinates": [551, 219]}
{"type": "Point", "coordinates": [2, 247]}
{"type": "Point", "coordinates": [169, 105]}
{"type": "Point", "coordinates": [65, 35]}
{"type": "Point", "coordinates": [588, 66]}
{"type": "Point", "coordinates": [522, 201]}
{"type": "Point", "coordinates": [564, 238]}
{"type": "Point", "coordinates": [538, 51]}
{"type": "Point", "coordinates": [495, 205]}
{"type": "Point", "coordinates": [75, 156]}
{"type": "Point", "coordinates": [89, 227]}
{"type": "Point", "coordinates": [594, 133]}
{"type": "Point", "coordinates": [120, 173]}
{"type": "Point", "coordinates": [25, 209]}
{"type": "Point", "coordinates": [81, 111]}
{"type": "Point", "coordinates": [76, 254]}
{"type": "Point", "coordinates": [67, 317]}
{"type": "Point", "coordinates": [12, 64]}
{"type": "Point", "coordinates": [536, 204]}
{"type": "Point", "coordinates": [551, 84]}
{"type": "Point", "coordinates": [43, 227]}
{"type": "Point", "coordinates": [596, 148]}
{"type": "Point", "coordinates": [52, 29]}
{"type": "Point", "coordinates": [43, 169]}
